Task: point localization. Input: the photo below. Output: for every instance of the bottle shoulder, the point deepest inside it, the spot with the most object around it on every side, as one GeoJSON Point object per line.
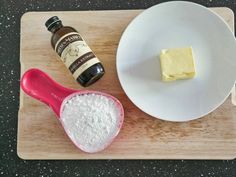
{"type": "Point", "coordinates": [60, 33]}
{"type": "Point", "coordinates": [68, 28]}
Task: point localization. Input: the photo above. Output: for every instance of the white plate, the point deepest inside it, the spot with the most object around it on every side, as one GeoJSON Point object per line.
{"type": "Point", "coordinates": [170, 25]}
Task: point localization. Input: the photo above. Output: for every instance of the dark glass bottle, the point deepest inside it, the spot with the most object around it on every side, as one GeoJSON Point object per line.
{"type": "Point", "coordinates": [74, 52]}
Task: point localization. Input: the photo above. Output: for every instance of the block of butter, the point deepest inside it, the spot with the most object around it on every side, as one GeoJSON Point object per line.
{"type": "Point", "coordinates": [177, 64]}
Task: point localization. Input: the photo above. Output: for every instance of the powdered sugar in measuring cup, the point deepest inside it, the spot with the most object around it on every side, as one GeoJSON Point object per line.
{"type": "Point", "coordinates": [90, 120]}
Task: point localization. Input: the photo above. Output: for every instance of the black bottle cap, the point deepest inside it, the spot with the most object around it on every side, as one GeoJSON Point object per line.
{"type": "Point", "coordinates": [51, 22]}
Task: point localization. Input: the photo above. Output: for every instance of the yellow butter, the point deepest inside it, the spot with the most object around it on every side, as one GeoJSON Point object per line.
{"type": "Point", "coordinates": [177, 64]}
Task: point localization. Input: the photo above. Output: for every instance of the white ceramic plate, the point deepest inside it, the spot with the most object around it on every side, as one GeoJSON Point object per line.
{"type": "Point", "coordinates": [171, 25]}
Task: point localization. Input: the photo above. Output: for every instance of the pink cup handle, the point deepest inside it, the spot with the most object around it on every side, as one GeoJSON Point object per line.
{"type": "Point", "coordinates": [40, 86]}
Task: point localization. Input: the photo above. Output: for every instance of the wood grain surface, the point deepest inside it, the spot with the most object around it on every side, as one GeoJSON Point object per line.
{"type": "Point", "coordinates": [40, 135]}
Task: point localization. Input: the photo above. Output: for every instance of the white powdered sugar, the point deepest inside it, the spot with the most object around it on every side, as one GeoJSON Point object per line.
{"type": "Point", "coordinates": [90, 120]}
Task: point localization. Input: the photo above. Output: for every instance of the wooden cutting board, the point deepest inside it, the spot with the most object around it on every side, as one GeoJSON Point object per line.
{"type": "Point", "coordinates": [40, 135]}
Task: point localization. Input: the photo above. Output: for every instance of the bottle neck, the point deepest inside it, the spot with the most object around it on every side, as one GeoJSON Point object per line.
{"type": "Point", "coordinates": [56, 27]}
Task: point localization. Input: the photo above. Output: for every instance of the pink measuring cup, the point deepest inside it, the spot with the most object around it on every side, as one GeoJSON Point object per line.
{"type": "Point", "coordinates": [40, 86]}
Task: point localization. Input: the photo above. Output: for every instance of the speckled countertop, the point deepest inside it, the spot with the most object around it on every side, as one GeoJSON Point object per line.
{"type": "Point", "coordinates": [11, 165]}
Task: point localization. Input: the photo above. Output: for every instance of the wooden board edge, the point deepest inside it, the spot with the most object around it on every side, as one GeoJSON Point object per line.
{"type": "Point", "coordinates": [26, 156]}
{"type": "Point", "coordinates": [20, 153]}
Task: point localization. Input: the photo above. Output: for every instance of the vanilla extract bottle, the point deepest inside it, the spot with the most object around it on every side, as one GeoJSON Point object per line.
{"type": "Point", "coordinates": [74, 52]}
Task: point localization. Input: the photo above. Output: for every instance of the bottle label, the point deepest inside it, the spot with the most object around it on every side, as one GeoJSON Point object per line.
{"type": "Point", "coordinates": [75, 53]}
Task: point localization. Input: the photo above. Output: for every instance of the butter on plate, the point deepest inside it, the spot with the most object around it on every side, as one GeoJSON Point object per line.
{"type": "Point", "coordinates": [177, 64]}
